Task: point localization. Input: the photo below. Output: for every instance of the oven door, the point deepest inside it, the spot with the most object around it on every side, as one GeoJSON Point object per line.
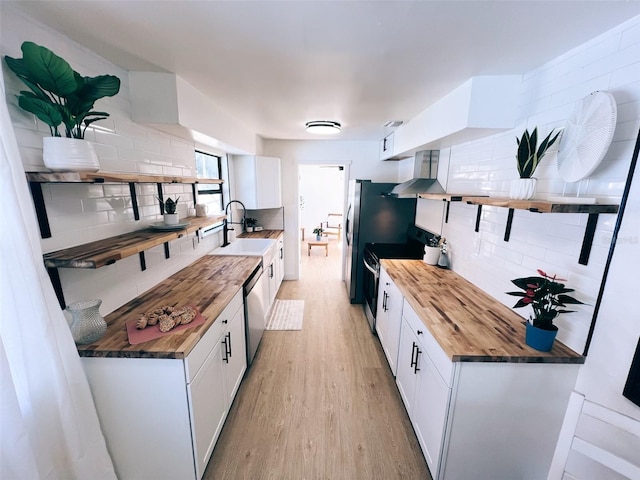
{"type": "Point", "coordinates": [370, 288]}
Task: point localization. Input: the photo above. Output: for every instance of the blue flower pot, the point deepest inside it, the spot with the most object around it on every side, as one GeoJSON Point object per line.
{"type": "Point", "coordinates": [540, 339]}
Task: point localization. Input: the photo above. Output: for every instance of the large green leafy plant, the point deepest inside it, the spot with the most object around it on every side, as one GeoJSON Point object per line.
{"type": "Point", "coordinates": [546, 295]}
{"type": "Point", "coordinates": [529, 154]}
{"type": "Point", "coordinates": [58, 94]}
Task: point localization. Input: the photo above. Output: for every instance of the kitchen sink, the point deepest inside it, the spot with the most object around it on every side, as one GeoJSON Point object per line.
{"type": "Point", "coordinates": [257, 247]}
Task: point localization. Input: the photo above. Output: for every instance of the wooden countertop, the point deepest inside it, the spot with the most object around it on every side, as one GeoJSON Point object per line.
{"type": "Point", "coordinates": [209, 283]}
{"type": "Point", "coordinates": [469, 325]}
{"type": "Point", "coordinates": [270, 234]}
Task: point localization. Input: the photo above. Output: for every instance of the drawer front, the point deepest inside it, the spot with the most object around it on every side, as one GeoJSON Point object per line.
{"type": "Point", "coordinates": [198, 355]}
{"type": "Point", "coordinates": [430, 345]}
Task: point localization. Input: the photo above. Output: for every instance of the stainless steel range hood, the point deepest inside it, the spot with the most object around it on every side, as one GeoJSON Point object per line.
{"type": "Point", "coordinates": [425, 173]}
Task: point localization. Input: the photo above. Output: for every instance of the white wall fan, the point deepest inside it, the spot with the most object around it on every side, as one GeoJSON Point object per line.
{"type": "Point", "coordinates": [587, 135]}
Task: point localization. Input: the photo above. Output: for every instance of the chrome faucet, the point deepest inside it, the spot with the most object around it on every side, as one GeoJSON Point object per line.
{"type": "Point", "coordinates": [225, 229]}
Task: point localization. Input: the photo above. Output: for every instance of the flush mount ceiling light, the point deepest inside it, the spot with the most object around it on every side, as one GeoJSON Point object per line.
{"type": "Point", "coordinates": [323, 127]}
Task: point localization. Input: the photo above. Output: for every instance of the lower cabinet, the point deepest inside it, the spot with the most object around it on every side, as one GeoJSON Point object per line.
{"type": "Point", "coordinates": [389, 318]}
{"type": "Point", "coordinates": [480, 420]}
{"type": "Point", "coordinates": [160, 417]}
{"type": "Point", "coordinates": [424, 392]}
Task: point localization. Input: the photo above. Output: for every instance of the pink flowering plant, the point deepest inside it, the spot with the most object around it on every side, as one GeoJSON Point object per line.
{"type": "Point", "coordinates": [546, 295]}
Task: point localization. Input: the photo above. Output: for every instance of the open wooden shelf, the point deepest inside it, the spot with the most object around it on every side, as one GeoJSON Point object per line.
{"type": "Point", "coordinates": [112, 177]}
{"type": "Point", "coordinates": [109, 250]}
{"type": "Point", "coordinates": [539, 206]}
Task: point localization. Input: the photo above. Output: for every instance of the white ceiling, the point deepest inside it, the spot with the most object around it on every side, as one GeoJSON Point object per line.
{"type": "Point", "coordinates": [275, 65]}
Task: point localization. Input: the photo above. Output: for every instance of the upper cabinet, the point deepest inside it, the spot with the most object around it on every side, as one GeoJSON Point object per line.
{"type": "Point", "coordinates": [258, 181]}
{"type": "Point", "coordinates": [483, 105]}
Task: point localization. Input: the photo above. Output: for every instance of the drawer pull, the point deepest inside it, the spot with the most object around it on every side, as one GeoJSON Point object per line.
{"type": "Point", "coordinates": [225, 321]}
{"type": "Point", "coordinates": [419, 332]}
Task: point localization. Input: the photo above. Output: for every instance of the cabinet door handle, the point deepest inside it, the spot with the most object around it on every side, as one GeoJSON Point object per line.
{"type": "Point", "coordinates": [415, 368]}
{"type": "Point", "coordinates": [225, 359]}
{"type": "Point", "coordinates": [384, 301]}
{"type": "Point", "coordinates": [271, 271]}
{"type": "Point", "coordinates": [413, 351]}
{"type": "Point", "coordinates": [281, 253]}
{"type": "Point", "coordinates": [229, 335]}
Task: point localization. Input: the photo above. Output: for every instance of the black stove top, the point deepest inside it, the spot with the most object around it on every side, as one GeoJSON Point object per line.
{"type": "Point", "coordinates": [410, 251]}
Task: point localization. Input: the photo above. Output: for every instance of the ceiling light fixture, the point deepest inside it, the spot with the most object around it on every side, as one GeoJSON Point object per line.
{"type": "Point", "coordinates": [323, 127]}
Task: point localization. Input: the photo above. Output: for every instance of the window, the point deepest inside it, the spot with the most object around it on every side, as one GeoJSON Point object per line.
{"type": "Point", "coordinates": [209, 166]}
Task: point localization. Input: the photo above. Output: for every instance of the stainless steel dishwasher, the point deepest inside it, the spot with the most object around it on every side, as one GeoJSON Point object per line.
{"type": "Point", "coordinates": [256, 300]}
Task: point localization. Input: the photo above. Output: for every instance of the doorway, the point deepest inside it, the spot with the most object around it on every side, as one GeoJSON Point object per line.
{"type": "Point", "coordinates": [321, 190]}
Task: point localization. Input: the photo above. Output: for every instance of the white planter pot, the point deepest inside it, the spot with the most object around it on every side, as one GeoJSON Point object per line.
{"type": "Point", "coordinates": [69, 154]}
{"type": "Point", "coordinates": [431, 255]}
{"type": "Point", "coordinates": [523, 188]}
{"type": "Point", "coordinates": [171, 218]}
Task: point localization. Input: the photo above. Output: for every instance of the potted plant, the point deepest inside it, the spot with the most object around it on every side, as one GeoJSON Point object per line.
{"type": "Point", "coordinates": [528, 157]}
{"type": "Point", "coordinates": [432, 251]}
{"type": "Point", "coordinates": [318, 231]}
{"type": "Point", "coordinates": [171, 216]}
{"type": "Point", "coordinates": [250, 223]}
{"type": "Point", "coordinates": [547, 297]}
{"type": "Point", "coordinates": [63, 99]}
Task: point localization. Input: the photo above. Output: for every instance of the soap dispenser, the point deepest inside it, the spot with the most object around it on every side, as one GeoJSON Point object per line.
{"type": "Point", "coordinates": [443, 261]}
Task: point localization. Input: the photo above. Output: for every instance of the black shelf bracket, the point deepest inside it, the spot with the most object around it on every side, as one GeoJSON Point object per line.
{"type": "Point", "coordinates": [54, 275]}
{"type": "Point", "coordinates": [134, 200]}
{"type": "Point", "coordinates": [446, 214]}
{"type": "Point", "coordinates": [587, 241]}
{"type": "Point", "coordinates": [507, 231]}
{"type": "Point", "coordinates": [478, 216]}
{"type": "Point", "coordinates": [143, 262]}
{"type": "Point", "coordinates": [41, 209]}
{"type": "Point", "coordinates": [194, 191]}
{"type": "Point", "coordinates": [167, 253]}
{"type": "Point", "coordinates": [161, 198]}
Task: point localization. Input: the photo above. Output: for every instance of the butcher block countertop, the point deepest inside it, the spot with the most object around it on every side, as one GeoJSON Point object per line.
{"type": "Point", "coordinates": [209, 284]}
{"type": "Point", "coordinates": [469, 325]}
{"type": "Point", "coordinates": [269, 234]}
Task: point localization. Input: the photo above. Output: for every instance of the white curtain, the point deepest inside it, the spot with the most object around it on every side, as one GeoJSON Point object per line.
{"type": "Point", "coordinates": [49, 428]}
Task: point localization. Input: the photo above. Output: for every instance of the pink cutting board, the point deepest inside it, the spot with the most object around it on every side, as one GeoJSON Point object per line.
{"type": "Point", "coordinates": [152, 332]}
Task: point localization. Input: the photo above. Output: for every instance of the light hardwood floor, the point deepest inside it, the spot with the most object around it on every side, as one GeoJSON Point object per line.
{"type": "Point", "coordinates": [319, 403]}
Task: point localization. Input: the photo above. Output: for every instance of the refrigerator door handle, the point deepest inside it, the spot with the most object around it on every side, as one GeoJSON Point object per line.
{"type": "Point", "coordinates": [347, 228]}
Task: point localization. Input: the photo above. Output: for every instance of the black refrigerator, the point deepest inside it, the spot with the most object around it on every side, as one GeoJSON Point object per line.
{"type": "Point", "coordinates": [372, 217]}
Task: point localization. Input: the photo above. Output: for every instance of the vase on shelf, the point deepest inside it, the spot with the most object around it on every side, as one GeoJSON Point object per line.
{"type": "Point", "coordinates": [70, 154]}
{"type": "Point", "coordinates": [522, 188]}
{"type": "Point", "coordinates": [86, 325]}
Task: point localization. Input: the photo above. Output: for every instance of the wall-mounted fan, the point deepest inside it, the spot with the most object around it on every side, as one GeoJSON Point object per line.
{"type": "Point", "coordinates": [587, 136]}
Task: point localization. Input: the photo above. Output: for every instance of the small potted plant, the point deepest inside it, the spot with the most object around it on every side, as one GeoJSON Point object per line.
{"type": "Point", "coordinates": [171, 216]}
{"type": "Point", "coordinates": [318, 232]}
{"type": "Point", "coordinates": [250, 223]}
{"type": "Point", "coordinates": [528, 157]}
{"type": "Point", "coordinates": [432, 251]}
{"type": "Point", "coordinates": [547, 297]}
{"type": "Point", "coordinates": [60, 96]}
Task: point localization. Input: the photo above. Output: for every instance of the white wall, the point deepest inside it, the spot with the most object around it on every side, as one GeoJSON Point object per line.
{"type": "Point", "coordinates": [82, 213]}
{"type": "Point", "coordinates": [550, 242]}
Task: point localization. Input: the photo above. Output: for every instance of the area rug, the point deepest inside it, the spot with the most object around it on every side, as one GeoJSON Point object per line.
{"type": "Point", "coordinates": [286, 315]}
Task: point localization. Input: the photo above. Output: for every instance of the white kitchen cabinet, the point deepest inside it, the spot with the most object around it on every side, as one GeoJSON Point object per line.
{"type": "Point", "coordinates": [478, 419]}
{"type": "Point", "coordinates": [162, 417]}
{"type": "Point", "coordinates": [386, 147]}
{"type": "Point", "coordinates": [280, 262]}
{"type": "Point", "coordinates": [258, 181]}
{"type": "Point", "coordinates": [235, 358]}
{"type": "Point", "coordinates": [389, 318]}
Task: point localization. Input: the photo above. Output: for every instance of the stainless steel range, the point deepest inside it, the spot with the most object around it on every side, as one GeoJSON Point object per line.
{"type": "Point", "coordinates": [412, 249]}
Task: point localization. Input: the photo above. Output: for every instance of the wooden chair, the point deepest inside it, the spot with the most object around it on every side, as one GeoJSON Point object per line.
{"type": "Point", "coordinates": [333, 225]}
